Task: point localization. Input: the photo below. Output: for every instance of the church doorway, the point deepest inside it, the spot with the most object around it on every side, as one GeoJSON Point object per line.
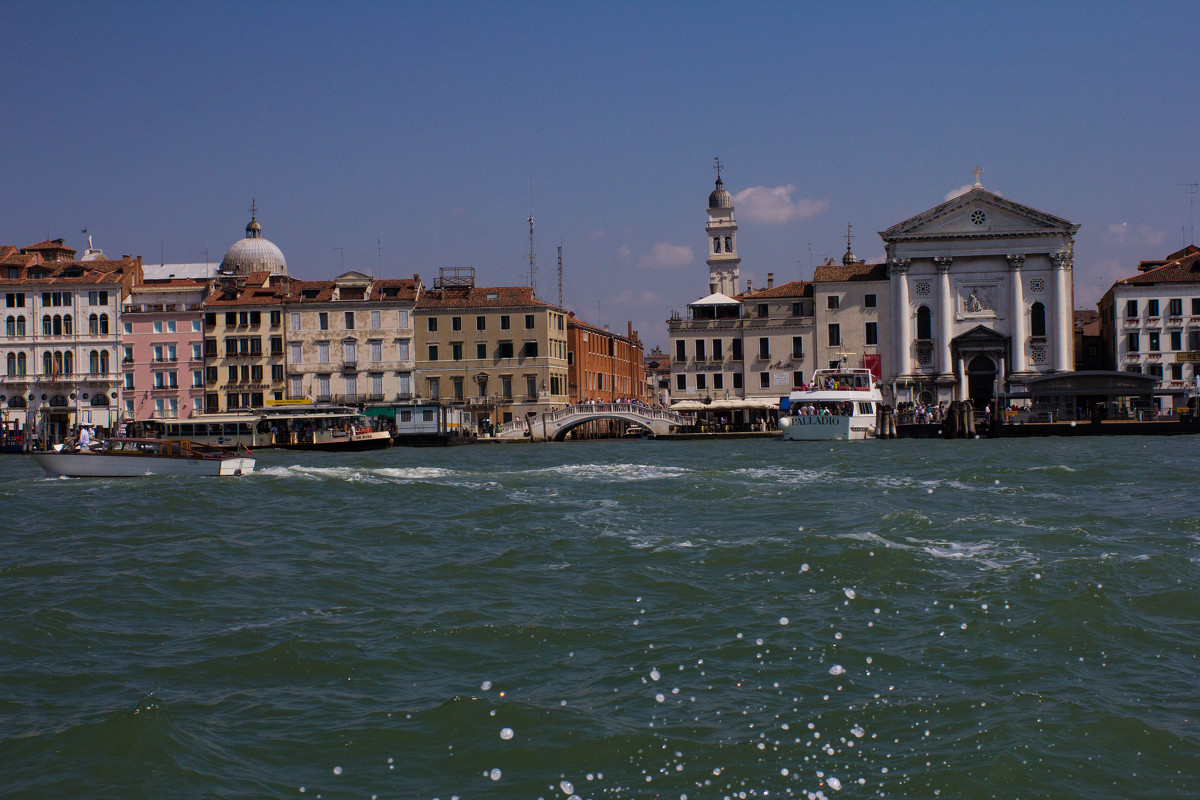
{"type": "Point", "coordinates": [981, 381]}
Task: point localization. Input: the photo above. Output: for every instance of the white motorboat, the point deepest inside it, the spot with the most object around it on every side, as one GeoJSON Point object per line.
{"type": "Point", "coordinates": [838, 404]}
{"type": "Point", "coordinates": [126, 458]}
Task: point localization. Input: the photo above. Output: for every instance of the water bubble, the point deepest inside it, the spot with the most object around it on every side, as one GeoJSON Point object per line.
{"type": "Point", "coordinates": [337, 770]}
{"type": "Point", "coordinates": [837, 669]}
{"type": "Point", "coordinates": [834, 783]}
{"type": "Point", "coordinates": [927, 491]}
{"type": "Point", "coordinates": [567, 787]}
{"type": "Point", "coordinates": [804, 567]}
{"type": "Point", "coordinates": [783, 620]}
{"type": "Point", "coordinates": [858, 731]}
{"type": "Point", "coordinates": [485, 685]}
{"type": "Point", "coordinates": [784, 772]}
{"type": "Point", "coordinates": [997, 481]}
{"type": "Point", "coordinates": [850, 593]}
{"type": "Point", "coordinates": [660, 697]}
{"type": "Point", "coordinates": [655, 674]}
{"type": "Point", "coordinates": [494, 774]}
{"type": "Point", "coordinates": [506, 733]}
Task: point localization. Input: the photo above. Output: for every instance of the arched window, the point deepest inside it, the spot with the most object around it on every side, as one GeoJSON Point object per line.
{"type": "Point", "coordinates": [20, 326]}
{"type": "Point", "coordinates": [728, 244]}
{"type": "Point", "coordinates": [104, 362]}
{"type": "Point", "coordinates": [67, 325]}
{"type": "Point", "coordinates": [99, 399]}
{"type": "Point", "coordinates": [58, 329]}
{"type": "Point", "coordinates": [10, 326]}
{"type": "Point", "coordinates": [47, 329]}
{"type": "Point", "coordinates": [68, 362]}
{"type": "Point", "coordinates": [924, 323]}
{"type": "Point", "coordinates": [1037, 320]}
{"type": "Point", "coordinates": [20, 363]}
{"type": "Point", "coordinates": [12, 363]}
{"type": "Point", "coordinates": [103, 324]}
{"type": "Point", "coordinates": [48, 363]}
{"type": "Point", "coordinates": [716, 244]}
{"type": "Point", "coordinates": [93, 325]}
{"type": "Point", "coordinates": [16, 402]}
{"type": "Point", "coordinates": [94, 362]}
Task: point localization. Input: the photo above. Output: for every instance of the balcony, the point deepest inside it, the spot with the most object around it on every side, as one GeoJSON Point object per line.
{"type": "Point", "coordinates": [160, 389]}
{"type": "Point", "coordinates": [350, 364]}
{"type": "Point", "coordinates": [166, 413]}
{"type": "Point", "coordinates": [1132, 323]}
{"type": "Point", "coordinates": [1174, 322]}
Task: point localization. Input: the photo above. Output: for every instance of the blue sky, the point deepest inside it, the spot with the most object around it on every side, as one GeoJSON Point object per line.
{"type": "Point", "coordinates": [414, 136]}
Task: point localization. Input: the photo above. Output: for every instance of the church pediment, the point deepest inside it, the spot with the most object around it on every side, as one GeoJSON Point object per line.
{"type": "Point", "coordinates": [981, 335]}
{"type": "Point", "coordinates": [978, 214]}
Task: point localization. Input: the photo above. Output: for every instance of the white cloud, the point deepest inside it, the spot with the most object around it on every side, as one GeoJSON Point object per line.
{"type": "Point", "coordinates": [774, 205]}
{"type": "Point", "coordinates": [1142, 234]}
{"type": "Point", "coordinates": [959, 192]}
{"type": "Point", "coordinates": [1150, 235]}
{"type": "Point", "coordinates": [629, 297]}
{"type": "Point", "coordinates": [1118, 230]}
{"type": "Point", "coordinates": [666, 255]}
{"type": "Point", "coordinates": [624, 252]}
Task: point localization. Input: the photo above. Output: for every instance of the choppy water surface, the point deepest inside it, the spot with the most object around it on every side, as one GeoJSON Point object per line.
{"type": "Point", "coordinates": [743, 619]}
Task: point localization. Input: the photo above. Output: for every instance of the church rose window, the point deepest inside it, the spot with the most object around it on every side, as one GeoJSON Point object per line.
{"type": "Point", "coordinates": [978, 217]}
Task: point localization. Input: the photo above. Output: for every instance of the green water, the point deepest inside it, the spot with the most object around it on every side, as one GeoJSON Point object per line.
{"type": "Point", "coordinates": [746, 619]}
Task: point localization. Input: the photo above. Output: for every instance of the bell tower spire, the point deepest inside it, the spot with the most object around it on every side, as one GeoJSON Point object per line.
{"type": "Point", "coordinates": [723, 261]}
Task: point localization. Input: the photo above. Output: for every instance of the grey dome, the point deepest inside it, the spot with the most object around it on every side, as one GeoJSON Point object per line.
{"type": "Point", "coordinates": [719, 197]}
{"type": "Point", "coordinates": [254, 254]}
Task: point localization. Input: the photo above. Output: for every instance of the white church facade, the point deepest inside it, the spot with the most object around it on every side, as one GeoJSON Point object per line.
{"type": "Point", "coordinates": [981, 299]}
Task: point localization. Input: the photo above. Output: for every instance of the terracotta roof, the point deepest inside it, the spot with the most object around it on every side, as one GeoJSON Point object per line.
{"type": "Point", "coordinates": [50, 244]}
{"type": "Point", "coordinates": [1181, 270]}
{"type": "Point", "coordinates": [789, 289]}
{"type": "Point", "coordinates": [74, 272]}
{"type": "Point", "coordinates": [831, 273]}
{"type": "Point", "coordinates": [478, 297]}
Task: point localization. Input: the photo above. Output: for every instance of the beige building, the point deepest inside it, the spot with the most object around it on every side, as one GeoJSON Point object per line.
{"type": "Point", "coordinates": [243, 343]}
{"type": "Point", "coordinates": [851, 303]}
{"type": "Point", "coordinates": [498, 352]}
{"type": "Point", "coordinates": [350, 340]}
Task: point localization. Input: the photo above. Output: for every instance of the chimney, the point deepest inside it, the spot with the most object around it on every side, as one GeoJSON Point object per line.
{"type": "Point", "coordinates": [770, 280]}
{"type": "Point", "coordinates": [749, 287]}
{"type": "Point", "coordinates": [712, 288]}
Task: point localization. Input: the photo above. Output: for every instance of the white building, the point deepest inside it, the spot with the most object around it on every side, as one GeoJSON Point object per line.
{"type": "Point", "coordinates": [1150, 324]}
{"type": "Point", "coordinates": [981, 298]}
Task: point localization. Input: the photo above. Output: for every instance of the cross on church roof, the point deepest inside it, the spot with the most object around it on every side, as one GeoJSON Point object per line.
{"type": "Point", "coordinates": [717, 166]}
{"type": "Point", "coordinates": [977, 172]}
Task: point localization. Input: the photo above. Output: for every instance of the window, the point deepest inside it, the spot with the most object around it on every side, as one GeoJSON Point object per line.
{"type": "Point", "coordinates": [680, 350]}
{"type": "Point", "coordinates": [481, 323]}
{"type": "Point", "coordinates": [404, 385]}
{"type": "Point", "coordinates": [1177, 372]}
{"type": "Point", "coordinates": [531, 349]}
{"type": "Point", "coordinates": [764, 380]}
{"type": "Point", "coordinates": [504, 322]}
{"type": "Point", "coordinates": [1134, 342]}
{"type": "Point", "coordinates": [128, 380]}
{"type": "Point", "coordinates": [351, 382]}
{"type": "Point", "coordinates": [243, 318]}
{"type": "Point", "coordinates": [1151, 308]}
{"type": "Point", "coordinates": [230, 319]}
{"type": "Point", "coordinates": [1131, 309]}
{"type": "Point", "coordinates": [456, 351]}
{"type": "Point", "coordinates": [456, 323]}
{"type": "Point", "coordinates": [798, 378]}
{"type": "Point", "coordinates": [764, 347]}
{"type": "Point", "coordinates": [377, 384]}
{"type": "Point", "coordinates": [1154, 341]}
{"type": "Point", "coordinates": [170, 326]}
{"type": "Point", "coordinates": [433, 353]}
{"type": "Point", "coordinates": [1196, 306]}
{"type": "Point", "coordinates": [797, 309]}
{"type": "Point", "coordinates": [434, 388]}
{"type": "Point", "coordinates": [716, 244]}
{"type": "Point", "coordinates": [737, 380]}
{"type": "Point", "coordinates": [736, 347]}
{"type": "Point", "coordinates": [93, 321]}
{"type": "Point", "coordinates": [457, 384]}
{"type": "Point", "coordinates": [506, 387]}
{"type": "Point", "coordinates": [323, 352]}
{"type": "Point", "coordinates": [728, 244]}
{"type": "Point", "coordinates": [1176, 340]}
{"type": "Point", "coordinates": [376, 350]}
{"type": "Point", "coordinates": [432, 324]}
{"type": "Point", "coordinates": [868, 301]}
{"type": "Point", "coordinates": [701, 381]}
{"type": "Point", "coordinates": [872, 333]}
{"type": "Point", "coordinates": [716, 350]}
{"type": "Point", "coordinates": [197, 378]}
{"type": "Point", "coordinates": [529, 322]}
{"type": "Point", "coordinates": [681, 382]}
{"type": "Point", "coordinates": [295, 317]}
{"type": "Point", "coordinates": [832, 302]}
{"type": "Point", "coordinates": [835, 335]}
{"type": "Point", "coordinates": [128, 326]}
{"type": "Point", "coordinates": [375, 320]}
{"type": "Point", "coordinates": [506, 349]}
{"type": "Point", "coordinates": [763, 311]}
{"type": "Point", "coordinates": [402, 318]}
{"type": "Point", "coordinates": [798, 347]}
{"type": "Point", "coordinates": [14, 300]}
{"type": "Point", "coordinates": [322, 387]}
{"type": "Point", "coordinates": [1156, 369]}
{"type": "Point", "coordinates": [276, 345]}
{"type": "Point", "coordinates": [402, 349]}
{"type": "Point", "coordinates": [276, 318]}
{"type": "Point", "coordinates": [197, 351]}
{"type": "Point", "coordinates": [700, 356]}
{"type": "Point", "coordinates": [718, 381]}
{"type": "Point", "coordinates": [1175, 307]}
{"type": "Point", "coordinates": [323, 320]}
{"type": "Point", "coordinates": [128, 354]}
{"type": "Point", "coordinates": [924, 323]}
{"type": "Point", "coordinates": [481, 350]}
{"type": "Point", "coordinates": [294, 352]}
{"type": "Point", "coordinates": [210, 374]}
{"type": "Point", "coordinates": [350, 352]}
{"type": "Point", "coordinates": [233, 374]}
{"type": "Point", "coordinates": [530, 386]}
{"type": "Point", "coordinates": [349, 320]}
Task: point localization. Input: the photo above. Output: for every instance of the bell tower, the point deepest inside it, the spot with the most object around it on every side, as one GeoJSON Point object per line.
{"type": "Point", "coordinates": [723, 259]}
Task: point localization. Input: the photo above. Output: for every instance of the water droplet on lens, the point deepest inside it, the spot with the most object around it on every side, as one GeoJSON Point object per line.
{"type": "Point", "coordinates": [337, 770]}
{"type": "Point", "coordinates": [506, 733]}
{"type": "Point", "coordinates": [783, 620]}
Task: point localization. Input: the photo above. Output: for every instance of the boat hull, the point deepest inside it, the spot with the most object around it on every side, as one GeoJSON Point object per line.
{"type": "Point", "coordinates": [103, 465]}
{"type": "Point", "coordinates": [820, 428]}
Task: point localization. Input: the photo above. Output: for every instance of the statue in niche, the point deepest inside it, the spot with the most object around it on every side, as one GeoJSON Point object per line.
{"type": "Point", "coordinates": [977, 302]}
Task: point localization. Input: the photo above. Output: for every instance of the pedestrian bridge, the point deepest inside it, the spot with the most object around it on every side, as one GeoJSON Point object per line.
{"type": "Point", "coordinates": [555, 425]}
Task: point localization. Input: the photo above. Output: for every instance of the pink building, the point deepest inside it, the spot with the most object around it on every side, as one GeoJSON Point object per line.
{"type": "Point", "coordinates": [162, 340]}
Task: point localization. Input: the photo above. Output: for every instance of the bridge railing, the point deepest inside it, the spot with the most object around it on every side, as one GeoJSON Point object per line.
{"type": "Point", "coordinates": [589, 409]}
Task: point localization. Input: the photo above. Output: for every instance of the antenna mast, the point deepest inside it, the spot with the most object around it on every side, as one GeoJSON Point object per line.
{"type": "Point", "coordinates": [1191, 212]}
{"type": "Point", "coordinates": [560, 273]}
{"type": "Point", "coordinates": [532, 258]}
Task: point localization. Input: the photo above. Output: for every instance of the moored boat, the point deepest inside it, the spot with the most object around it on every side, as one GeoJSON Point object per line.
{"type": "Point", "coordinates": [839, 404]}
{"type": "Point", "coordinates": [123, 457]}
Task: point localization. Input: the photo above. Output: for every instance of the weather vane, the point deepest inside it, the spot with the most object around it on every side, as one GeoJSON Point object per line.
{"type": "Point", "coordinates": [717, 166]}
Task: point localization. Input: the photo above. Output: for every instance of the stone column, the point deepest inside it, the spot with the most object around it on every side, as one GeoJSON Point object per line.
{"type": "Point", "coordinates": [901, 315]}
{"type": "Point", "coordinates": [945, 314]}
{"type": "Point", "coordinates": [1015, 262]}
{"type": "Point", "coordinates": [960, 379]}
{"type": "Point", "coordinates": [1063, 326]}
